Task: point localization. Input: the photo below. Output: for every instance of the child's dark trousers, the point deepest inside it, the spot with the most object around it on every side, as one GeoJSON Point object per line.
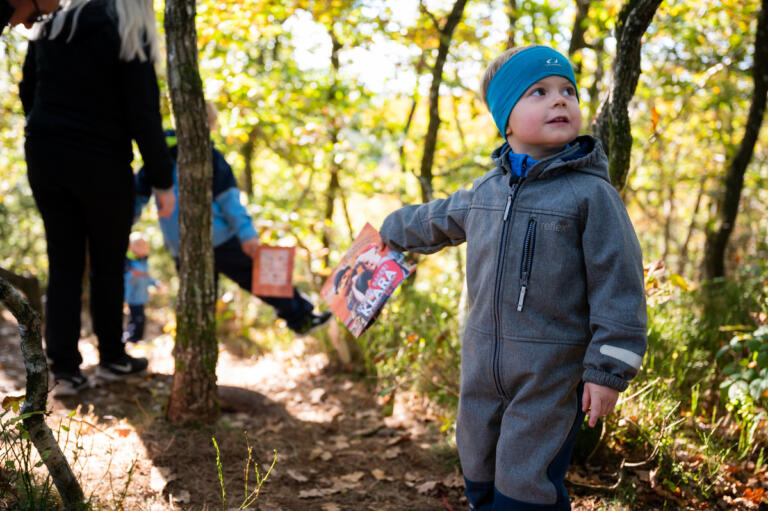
{"type": "Point", "coordinates": [229, 259]}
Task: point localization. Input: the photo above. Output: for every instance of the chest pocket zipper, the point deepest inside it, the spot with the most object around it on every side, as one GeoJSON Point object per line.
{"type": "Point", "coordinates": [527, 261]}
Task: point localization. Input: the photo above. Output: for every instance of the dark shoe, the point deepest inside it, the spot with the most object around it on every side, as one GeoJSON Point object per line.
{"type": "Point", "coordinates": [129, 337]}
{"type": "Point", "coordinates": [125, 366]}
{"type": "Point", "coordinates": [312, 322]}
{"type": "Point", "coordinates": [134, 331]}
{"type": "Point", "coordinates": [69, 384]}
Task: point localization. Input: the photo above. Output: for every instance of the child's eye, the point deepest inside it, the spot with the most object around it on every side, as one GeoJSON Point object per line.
{"type": "Point", "coordinates": [537, 92]}
{"type": "Point", "coordinates": [569, 91]}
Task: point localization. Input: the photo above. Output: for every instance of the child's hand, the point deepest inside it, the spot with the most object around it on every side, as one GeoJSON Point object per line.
{"type": "Point", "coordinates": [250, 246]}
{"type": "Point", "coordinates": [598, 400]}
{"type": "Point", "coordinates": [166, 203]}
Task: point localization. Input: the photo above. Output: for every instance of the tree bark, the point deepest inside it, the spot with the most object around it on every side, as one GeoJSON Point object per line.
{"type": "Point", "coordinates": [335, 168]}
{"type": "Point", "coordinates": [430, 140]}
{"type": "Point", "coordinates": [36, 397]}
{"type": "Point", "coordinates": [691, 228]}
{"type": "Point", "coordinates": [512, 17]}
{"type": "Point", "coordinates": [411, 112]}
{"type": "Point", "coordinates": [579, 29]}
{"type": "Point", "coordinates": [247, 153]}
{"type": "Point", "coordinates": [193, 392]}
{"type": "Point", "coordinates": [728, 204]}
{"type": "Point", "coordinates": [28, 285]}
{"type": "Point", "coordinates": [594, 95]}
{"type": "Point", "coordinates": [612, 124]}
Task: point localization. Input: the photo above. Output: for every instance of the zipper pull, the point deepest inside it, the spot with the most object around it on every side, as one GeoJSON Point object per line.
{"type": "Point", "coordinates": [506, 210]}
{"type": "Point", "coordinates": [521, 298]}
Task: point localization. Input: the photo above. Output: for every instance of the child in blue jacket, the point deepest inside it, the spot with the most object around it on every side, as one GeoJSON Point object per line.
{"type": "Point", "coordinates": [234, 237]}
{"type": "Point", "coordinates": [556, 323]}
{"type": "Point", "coordinates": [137, 282]}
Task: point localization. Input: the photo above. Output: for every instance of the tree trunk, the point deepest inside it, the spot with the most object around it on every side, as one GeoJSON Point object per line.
{"type": "Point", "coordinates": [248, 159]}
{"type": "Point", "coordinates": [691, 227]}
{"type": "Point", "coordinates": [577, 33]}
{"type": "Point", "coordinates": [28, 285]}
{"type": "Point", "coordinates": [612, 124]}
{"type": "Point", "coordinates": [37, 396]}
{"type": "Point", "coordinates": [594, 92]}
{"type": "Point", "coordinates": [330, 201]}
{"type": "Point", "coordinates": [335, 168]}
{"type": "Point", "coordinates": [669, 213]}
{"type": "Point", "coordinates": [728, 204]}
{"type": "Point", "coordinates": [430, 140]}
{"type": "Point", "coordinates": [512, 17]}
{"type": "Point", "coordinates": [414, 103]}
{"type": "Point", "coordinates": [193, 392]}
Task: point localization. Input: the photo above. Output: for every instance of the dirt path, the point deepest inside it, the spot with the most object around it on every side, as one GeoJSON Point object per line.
{"type": "Point", "coordinates": [335, 449]}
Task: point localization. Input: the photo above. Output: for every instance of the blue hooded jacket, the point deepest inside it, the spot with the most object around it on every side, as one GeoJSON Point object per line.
{"type": "Point", "coordinates": [230, 218]}
{"type": "Point", "coordinates": [137, 287]}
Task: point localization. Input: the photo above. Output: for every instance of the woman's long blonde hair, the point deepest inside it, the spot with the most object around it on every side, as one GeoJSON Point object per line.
{"type": "Point", "coordinates": [136, 24]}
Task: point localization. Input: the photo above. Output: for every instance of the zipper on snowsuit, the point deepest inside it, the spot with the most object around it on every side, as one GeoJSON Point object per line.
{"type": "Point", "coordinates": [527, 261]}
{"type": "Point", "coordinates": [515, 188]}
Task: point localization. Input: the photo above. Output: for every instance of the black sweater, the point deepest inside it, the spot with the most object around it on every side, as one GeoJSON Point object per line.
{"type": "Point", "coordinates": [5, 14]}
{"type": "Point", "coordinates": [82, 100]}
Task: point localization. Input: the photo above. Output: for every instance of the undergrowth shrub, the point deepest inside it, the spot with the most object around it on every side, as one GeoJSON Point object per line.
{"type": "Point", "coordinates": [415, 343]}
{"type": "Point", "coordinates": [21, 485]}
{"type": "Point", "coordinates": [698, 403]}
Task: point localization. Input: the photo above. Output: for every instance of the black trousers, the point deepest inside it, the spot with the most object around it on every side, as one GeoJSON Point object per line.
{"type": "Point", "coordinates": [87, 205]}
{"type": "Point", "coordinates": [136, 320]}
{"type": "Point", "coordinates": [229, 259]}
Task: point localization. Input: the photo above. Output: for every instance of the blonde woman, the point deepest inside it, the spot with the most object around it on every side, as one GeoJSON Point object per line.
{"type": "Point", "coordinates": [89, 89]}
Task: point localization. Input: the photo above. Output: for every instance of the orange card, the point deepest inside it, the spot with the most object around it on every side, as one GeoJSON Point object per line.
{"type": "Point", "coordinates": [273, 271]}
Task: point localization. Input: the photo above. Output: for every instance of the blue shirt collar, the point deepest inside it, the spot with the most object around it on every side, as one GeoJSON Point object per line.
{"type": "Point", "coordinates": [520, 163]}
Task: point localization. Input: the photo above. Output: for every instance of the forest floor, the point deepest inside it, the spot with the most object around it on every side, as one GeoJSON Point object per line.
{"type": "Point", "coordinates": [335, 448]}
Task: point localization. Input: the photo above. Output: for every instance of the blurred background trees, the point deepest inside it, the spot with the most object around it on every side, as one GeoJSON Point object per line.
{"type": "Point", "coordinates": [332, 115]}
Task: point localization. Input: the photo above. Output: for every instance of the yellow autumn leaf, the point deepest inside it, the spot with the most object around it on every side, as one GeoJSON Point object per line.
{"type": "Point", "coordinates": [679, 281]}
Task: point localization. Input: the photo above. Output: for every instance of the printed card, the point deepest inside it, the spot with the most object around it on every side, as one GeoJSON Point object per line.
{"type": "Point", "coordinates": [364, 280]}
{"type": "Point", "coordinates": [273, 272]}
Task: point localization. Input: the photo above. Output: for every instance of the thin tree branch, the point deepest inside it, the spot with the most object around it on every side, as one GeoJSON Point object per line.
{"type": "Point", "coordinates": [33, 410]}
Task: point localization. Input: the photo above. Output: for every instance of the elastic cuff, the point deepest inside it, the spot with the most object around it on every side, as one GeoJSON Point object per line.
{"type": "Point", "coordinates": [605, 379]}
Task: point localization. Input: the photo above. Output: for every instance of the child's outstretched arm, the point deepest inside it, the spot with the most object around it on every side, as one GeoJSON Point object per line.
{"type": "Point", "coordinates": [426, 228]}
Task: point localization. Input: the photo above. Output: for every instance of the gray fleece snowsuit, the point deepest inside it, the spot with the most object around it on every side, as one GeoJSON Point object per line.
{"type": "Point", "coordinates": [556, 298]}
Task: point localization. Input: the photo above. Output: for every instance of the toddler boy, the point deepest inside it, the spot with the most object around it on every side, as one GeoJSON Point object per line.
{"type": "Point", "coordinates": [137, 282]}
{"type": "Point", "coordinates": [556, 322]}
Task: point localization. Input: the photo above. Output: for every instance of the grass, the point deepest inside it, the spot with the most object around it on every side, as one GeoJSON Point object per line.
{"type": "Point", "coordinates": [22, 484]}
{"type": "Point", "coordinates": [250, 495]}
